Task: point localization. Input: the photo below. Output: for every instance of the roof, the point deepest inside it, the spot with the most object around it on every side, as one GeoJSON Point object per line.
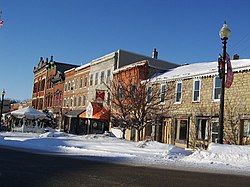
{"type": "Point", "coordinates": [82, 66]}
{"type": "Point", "coordinates": [130, 66]}
{"type": "Point", "coordinates": [201, 70]}
{"type": "Point", "coordinates": [74, 113]}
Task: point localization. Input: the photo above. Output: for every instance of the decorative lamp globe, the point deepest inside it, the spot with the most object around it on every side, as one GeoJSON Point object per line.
{"type": "Point", "coordinates": [225, 32]}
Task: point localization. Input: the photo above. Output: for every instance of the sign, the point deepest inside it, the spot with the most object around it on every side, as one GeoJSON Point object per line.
{"type": "Point", "coordinates": [89, 110]}
{"type": "Point", "coordinates": [100, 95]}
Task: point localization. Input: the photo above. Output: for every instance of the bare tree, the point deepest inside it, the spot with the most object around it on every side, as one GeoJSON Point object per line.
{"type": "Point", "coordinates": [137, 104]}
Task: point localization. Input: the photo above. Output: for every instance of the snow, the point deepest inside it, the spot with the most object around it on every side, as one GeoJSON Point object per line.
{"type": "Point", "coordinates": [231, 159]}
{"type": "Point", "coordinates": [201, 69]}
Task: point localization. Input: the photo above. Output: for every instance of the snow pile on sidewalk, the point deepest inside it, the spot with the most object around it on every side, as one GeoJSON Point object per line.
{"type": "Point", "coordinates": [222, 156]}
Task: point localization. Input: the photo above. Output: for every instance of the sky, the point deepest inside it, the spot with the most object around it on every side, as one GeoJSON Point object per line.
{"type": "Point", "coordinates": [78, 31]}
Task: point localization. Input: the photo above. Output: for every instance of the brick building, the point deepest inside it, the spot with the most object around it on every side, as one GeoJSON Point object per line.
{"type": "Point", "coordinates": [75, 97]}
{"type": "Point", "coordinates": [49, 84]}
{"type": "Point", "coordinates": [192, 119]}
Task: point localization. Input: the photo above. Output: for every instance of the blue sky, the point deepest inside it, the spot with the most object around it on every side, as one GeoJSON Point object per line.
{"type": "Point", "coordinates": [76, 31]}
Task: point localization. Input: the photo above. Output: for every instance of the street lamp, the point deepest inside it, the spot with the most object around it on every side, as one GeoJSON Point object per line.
{"type": "Point", "coordinates": [224, 35]}
{"type": "Point", "coordinates": [1, 111]}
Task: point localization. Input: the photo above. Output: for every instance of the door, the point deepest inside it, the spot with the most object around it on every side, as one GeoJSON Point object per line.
{"type": "Point", "coordinates": [167, 131]}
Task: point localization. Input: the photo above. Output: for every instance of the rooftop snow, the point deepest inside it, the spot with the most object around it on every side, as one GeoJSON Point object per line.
{"type": "Point", "coordinates": [201, 69]}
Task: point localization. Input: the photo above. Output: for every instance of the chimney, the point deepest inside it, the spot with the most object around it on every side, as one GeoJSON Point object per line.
{"type": "Point", "coordinates": [41, 59]}
{"type": "Point", "coordinates": [236, 57]}
{"type": "Point", "coordinates": [47, 60]}
{"type": "Point", "coordinates": [51, 58]}
{"type": "Point", "coordinates": [155, 54]}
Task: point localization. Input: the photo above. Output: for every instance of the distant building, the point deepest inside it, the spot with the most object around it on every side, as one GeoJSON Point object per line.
{"type": "Point", "coordinates": [6, 105]}
{"type": "Point", "coordinates": [48, 85]}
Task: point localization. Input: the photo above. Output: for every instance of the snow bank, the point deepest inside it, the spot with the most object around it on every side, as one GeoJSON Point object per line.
{"type": "Point", "coordinates": [222, 156]}
{"type": "Point", "coordinates": [218, 158]}
{"type": "Point", "coordinates": [53, 134]}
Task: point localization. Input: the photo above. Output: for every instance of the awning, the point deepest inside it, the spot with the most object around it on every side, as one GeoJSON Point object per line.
{"type": "Point", "coordinates": [99, 112]}
{"type": "Point", "coordinates": [74, 113]}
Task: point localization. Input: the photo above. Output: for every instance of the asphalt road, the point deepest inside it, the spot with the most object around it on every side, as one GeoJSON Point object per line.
{"type": "Point", "coordinates": [19, 168]}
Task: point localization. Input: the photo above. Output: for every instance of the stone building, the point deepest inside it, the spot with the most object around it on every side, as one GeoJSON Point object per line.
{"type": "Point", "coordinates": [192, 119]}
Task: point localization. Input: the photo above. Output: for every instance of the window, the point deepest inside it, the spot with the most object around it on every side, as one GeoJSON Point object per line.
{"type": "Point", "coordinates": [75, 101]}
{"type": "Point", "coordinates": [80, 85]}
{"type": "Point", "coordinates": [108, 99]}
{"type": "Point", "coordinates": [86, 81]}
{"type": "Point", "coordinates": [76, 84]}
{"type": "Point", "coordinates": [108, 76]}
{"type": "Point", "coordinates": [149, 94]}
{"type": "Point", "coordinates": [202, 129]}
{"type": "Point", "coordinates": [215, 131]}
{"type": "Point", "coordinates": [181, 133]}
{"type": "Point", "coordinates": [102, 76]}
{"type": "Point", "coordinates": [217, 88]}
{"type": "Point", "coordinates": [64, 102]}
{"type": "Point", "coordinates": [79, 101]}
{"type": "Point", "coordinates": [162, 92]}
{"type": "Point", "coordinates": [178, 92]}
{"type": "Point", "coordinates": [83, 100]}
{"type": "Point", "coordinates": [120, 92]}
{"type": "Point", "coordinates": [133, 91]}
{"type": "Point", "coordinates": [91, 80]}
{"type": "Point", "coordinates": [246, 128]}
{"type": "Point", "coordinates": [71, 102]}
{"type": "Point", "coordinates": [68, 86]}
{"type": "Point", "coordinates": [96, 78]}
{"type": "Point", "coordinates": [196, 90]}
{"type": "Point", "coordinates": [65, 86]}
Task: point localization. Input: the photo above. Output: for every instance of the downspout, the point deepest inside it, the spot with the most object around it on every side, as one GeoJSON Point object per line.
{"type": "Point", "coordinates": [188, 125]}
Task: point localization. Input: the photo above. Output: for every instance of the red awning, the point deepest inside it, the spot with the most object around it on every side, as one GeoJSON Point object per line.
{"type": "Point", "coordinates": [99, 112]}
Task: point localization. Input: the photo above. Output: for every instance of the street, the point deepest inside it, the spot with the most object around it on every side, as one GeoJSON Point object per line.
{"type": "Point", "coordinates": [19, 168]}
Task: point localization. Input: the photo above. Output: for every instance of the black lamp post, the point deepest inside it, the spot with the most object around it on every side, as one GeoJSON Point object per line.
{"type": "Point", "coordinates": [1, 111]}
{"type": "Point", "coordinates": [224, 35]}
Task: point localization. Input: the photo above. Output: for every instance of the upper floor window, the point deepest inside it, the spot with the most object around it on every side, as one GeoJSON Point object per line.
{"type": "Point", "coordinates": [196, 90]}
{"type": "Point", "coordinates": [80, 85]}
{"type": "Point", "coordinates": [65, 86]}
{"type": "Point", "coordinates": [149, 94]}
{"type": "Point", "coordinates": [79, 101]}
{"type": "Point", "coordinates": [120, 92]}
{"type": "Point", "coordinates": [102, 76]}
{"type": "Point", "coordinates": [133, 91]}
{"type": "Point", "coordinates": [178, 92]}
{"type": "Point", "coordinates": [85, 81]}
{"type": "Point", "coordinates": [91, 80]}
{"type": "Point", "coordinates": [108, 76]}
{"type": "Point", "coordinates": [76, 83]}
{"type": "Point", "coordinates": [83, 100]}
{"type": "Point", "coordinates": [96, 78]}
{"type": "Point", "coordinates": [69, 86]}
{"type": "Point", "coordinates": [217, 88]}
{"type": "Point", "coordinates": [75, 101]}
{"type": "Point", "coordinates": [162, 92]}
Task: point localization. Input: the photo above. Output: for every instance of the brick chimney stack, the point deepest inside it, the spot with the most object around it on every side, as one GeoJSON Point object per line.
{"type": "Point", "coordinates": [155, 54]}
